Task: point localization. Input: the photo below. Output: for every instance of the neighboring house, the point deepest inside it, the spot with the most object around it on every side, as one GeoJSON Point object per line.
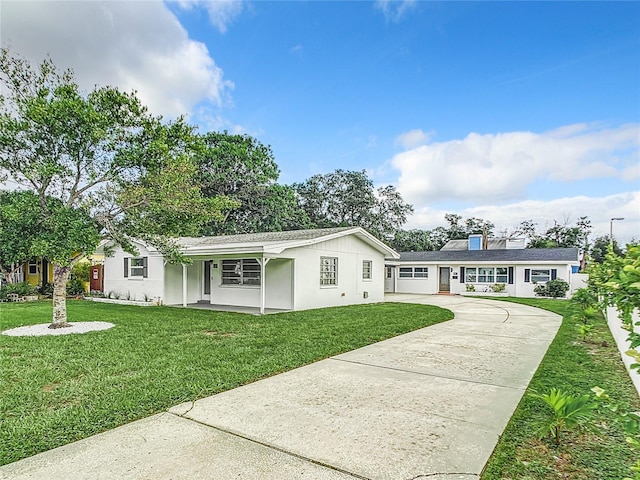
{"type": "Point", "coordinates": [464, 262]}
{"type": "Point", "coordinates": [293, 270]}
{"type": "Point", "coordinates": [36, 272]}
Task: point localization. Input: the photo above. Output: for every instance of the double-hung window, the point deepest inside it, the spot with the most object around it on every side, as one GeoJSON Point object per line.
{"type": "Point", "coordinates": [244, 271]}
{"type": "Point", "coordinates": [540, 275]}
{"type": "Point", "coordinates": [328, 271]}
{"type": "Point", "coordinates": [366, 269]}
{"type": "Point", "coordinates": [135, 267]}
{"type": "Point", "coordinates": [33, 267]}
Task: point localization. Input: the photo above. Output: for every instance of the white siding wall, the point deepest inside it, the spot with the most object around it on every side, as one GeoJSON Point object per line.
{"type": "Point", "coordinates": [173, 283]}
{"type": "Point", "coordinates": [519, 288]}
{"type": "Point", "coordinates": [134, 287]}
{"type": "Point", "coordinates": [237, 295]}
{"type": "Point", "coordinates": [351, 287]}
{"type": "Point", "coordinates": [418, 285]}
{"type": "Point", "coordinates": [279, 284]}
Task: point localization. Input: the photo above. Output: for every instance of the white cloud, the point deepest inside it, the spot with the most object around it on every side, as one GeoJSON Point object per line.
{"type": "Point", "coordinates": [499, 167]}
{"type": "Point", "coordinates": [394, 10]}
{"type": "Point", "coordinates": [221, 12]}
{"type": "Point", "coordinates": [413, 138]}
{"type": "Point", "coordinates": [600, 210]}
{"type": "Point", "coordinates": [132, 45]}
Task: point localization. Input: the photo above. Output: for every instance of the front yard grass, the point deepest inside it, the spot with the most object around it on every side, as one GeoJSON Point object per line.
{"type": "Point", "coordinates": [573, 364]}
{"type": "Point", "coordinates": [58, 389]}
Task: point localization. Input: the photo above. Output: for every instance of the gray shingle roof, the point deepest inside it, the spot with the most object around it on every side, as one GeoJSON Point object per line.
{"type": "Point", "coordinates": [516, 255]}
{"type": "Point", "coordinates": [251, 238]}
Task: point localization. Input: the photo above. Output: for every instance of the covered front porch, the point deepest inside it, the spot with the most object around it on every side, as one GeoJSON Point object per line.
{"type": "Point", "coordinates": [245, 283]}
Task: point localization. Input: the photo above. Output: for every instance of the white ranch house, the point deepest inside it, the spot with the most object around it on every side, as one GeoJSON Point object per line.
{"type": "Point", "coordinates": [293, 270]}
{"type": "Point", "coordinates": [469, 262]}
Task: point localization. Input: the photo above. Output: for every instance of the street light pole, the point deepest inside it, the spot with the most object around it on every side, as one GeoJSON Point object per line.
{"type": "Point", "coordinates": [611, 229]}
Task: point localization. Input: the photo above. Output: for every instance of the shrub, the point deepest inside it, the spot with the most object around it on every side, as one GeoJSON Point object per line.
{"type": "Point", "coordinates": [81, 271]}
{"type": "Point", "coordinates": [75, 287]}
{"type": "Point", "coordinates": [570, 412]}
{"type": "Point", "coordinates": [584, 298]}
{"type": "Point", "coordinates": [22, 289]}
{"type": "Point", "coordinates": [498, 287]}
{"type": "Point", "coordinates": [553, 288]}
{"type": "Point", "coordinates": [46, 289]}
{"type": "Point", "coordinates": [470, 288]}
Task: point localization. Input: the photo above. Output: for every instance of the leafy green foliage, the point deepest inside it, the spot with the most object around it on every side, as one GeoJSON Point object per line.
{"type": "Point", "coordinates": [617, 281]}
{"type": "Point", "coordinates": [56, 390]}
{"type": "Point", "coordinates": [20, 224]}
{"type": "Point", "coordinates": [99, 164]}
{"type": "Point", "coordinates": [572, 366]}
{"type": "Point", "coordinates": [560, 235]}
{"type": "Point", "coordinates": [498, 287]}
{"type": "Point", "coordinates": [557, 288]}
{"type": "Point", "coordinates": [569, 412]}
{"type": "Point", "coordinates": [21, 289]}
{"type": "Point", "coordinates": [347, 198]}
{"type": "Point", "coordinates": [600, 246]}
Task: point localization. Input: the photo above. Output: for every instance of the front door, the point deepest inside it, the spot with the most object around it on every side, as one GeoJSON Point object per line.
{"type": "Point", "coordinates": [444, 279]}
{"type": "Point", "coordinates": [206, 280]}
{"type": "Point", "coordinates": [389, 279]}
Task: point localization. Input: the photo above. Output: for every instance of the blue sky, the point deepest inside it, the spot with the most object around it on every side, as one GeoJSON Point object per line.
{"type": "Point", "coordinates": [505, 110]}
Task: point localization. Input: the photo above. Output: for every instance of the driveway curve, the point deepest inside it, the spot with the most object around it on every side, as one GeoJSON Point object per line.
{"type": "Point", "coordinates": [430, 404]}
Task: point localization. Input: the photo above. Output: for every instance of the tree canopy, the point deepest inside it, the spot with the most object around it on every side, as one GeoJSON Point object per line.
{"type": "Point", "coordinates": [109, 164]}
{"type": "Point", "coordinates": [348, 198]}
{"type": "Point", "coordinates": [242, 169]}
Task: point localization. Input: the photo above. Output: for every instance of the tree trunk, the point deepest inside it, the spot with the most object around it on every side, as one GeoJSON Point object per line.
{"type": "Point", "coordinates": [60, 279]}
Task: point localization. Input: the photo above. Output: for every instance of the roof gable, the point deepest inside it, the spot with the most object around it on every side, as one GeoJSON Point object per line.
{"type": "Point", "coordinates": [276, 242]}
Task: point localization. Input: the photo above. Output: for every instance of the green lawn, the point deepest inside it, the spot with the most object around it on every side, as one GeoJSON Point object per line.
{"type": "Point", "coordinates": [58, 389]}
{"type": "Point", "coordinates": [575, 365]}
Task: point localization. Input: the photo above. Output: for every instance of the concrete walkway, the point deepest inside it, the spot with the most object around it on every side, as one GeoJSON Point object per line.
{"type": "Point", "coordinates": [430, 404]}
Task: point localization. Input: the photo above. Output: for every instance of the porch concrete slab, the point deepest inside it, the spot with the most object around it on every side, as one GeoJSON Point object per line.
{"type": "Point", "coordinates": [370, 421]}
{"type": "Point", "coordinates": [165, 447]}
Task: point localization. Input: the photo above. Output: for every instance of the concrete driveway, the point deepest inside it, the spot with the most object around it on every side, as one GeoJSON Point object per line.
{"type": "Point", "coordinates": [428, 404]}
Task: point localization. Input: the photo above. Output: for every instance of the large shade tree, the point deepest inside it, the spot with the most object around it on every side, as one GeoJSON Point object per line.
{"type": "Point", "coordinates": [348, 198]}
{"type": "Point", "coordinates": [244, 170]}
{"type": "Point", "coordinates": [97, 162]}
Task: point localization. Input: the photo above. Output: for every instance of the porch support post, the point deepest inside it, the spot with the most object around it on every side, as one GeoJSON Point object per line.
{"type": "Point", "coordinates": [263, 280]}
{"type": "Point", "coordinates": [184, 285]}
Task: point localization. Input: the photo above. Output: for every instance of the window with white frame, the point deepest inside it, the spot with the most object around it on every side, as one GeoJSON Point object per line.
{"type": "Point", "coordinates": [389, 272]}
{"type": "Point", "coordinates": [242, 271]}
{"type": "Point", "coordinates": [366, 269]}
{"type": "Point", "coordinates": [414, 272]}
{"type": "Point", "coordinates": [33, 267]}
{"type": "Point", "coordinates": [136, 267]}
{"type": "Point", "coordinates": [328, 271]}
{"type": "Point", "coordinates": [486, 275]}
{"type": "Point", "coordinates": [540, 275]}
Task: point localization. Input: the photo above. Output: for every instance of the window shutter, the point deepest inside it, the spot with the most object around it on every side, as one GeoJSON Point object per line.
{"type": "Point", "coordinates": [461, 274]}
{"type": "Point", "coordinates": [145, 270]}
{"type": "Point", "coordinates": [510, 276]}
{"type": "Point", "coordinates": [554, 273]}
{"type": "Point", "coordinates": [126, 267]}
{"type": "Point", "coordinates": [527, 275]}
